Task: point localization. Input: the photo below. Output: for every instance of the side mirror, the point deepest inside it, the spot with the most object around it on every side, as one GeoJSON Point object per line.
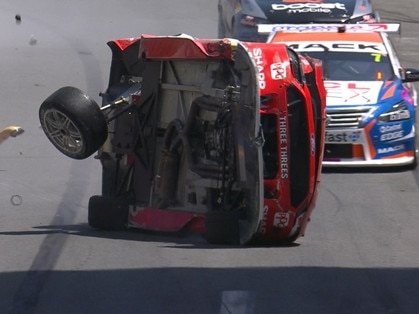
{"type": "Point", "coordinates": [409, 75]}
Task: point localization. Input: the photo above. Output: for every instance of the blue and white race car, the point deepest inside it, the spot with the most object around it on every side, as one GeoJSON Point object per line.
{"type": "Point", "coordinates": [371, 101]}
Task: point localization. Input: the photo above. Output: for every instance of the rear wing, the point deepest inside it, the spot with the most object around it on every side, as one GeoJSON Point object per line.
{"type": "Point", "coordinates": [297, 28]}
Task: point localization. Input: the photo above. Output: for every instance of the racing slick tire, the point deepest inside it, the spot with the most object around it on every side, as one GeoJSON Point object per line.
{"type": "Point", "coordinates": [107, 213]}
{"type": "Point", "coordinates": [73, 122]}
{"type": "Point", "coordinates": [222, 227]}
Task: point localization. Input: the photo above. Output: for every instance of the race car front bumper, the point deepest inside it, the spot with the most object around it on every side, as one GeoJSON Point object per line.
{"type": "Point", "coordinates": [363, 148]}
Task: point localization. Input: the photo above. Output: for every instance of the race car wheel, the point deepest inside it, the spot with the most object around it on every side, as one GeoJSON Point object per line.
{"type": "Point", "coordinates": [107, 213]}
{"type": "Point", "coordinates": [222, 227]}
{"type": "Point", "coordinates": [73, 122]}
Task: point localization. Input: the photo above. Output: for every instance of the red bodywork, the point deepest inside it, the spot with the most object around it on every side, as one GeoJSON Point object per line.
{"type": "Point", "coordinates": [283, 218]}
{"type": "Point", "coordinates": [292, 109]}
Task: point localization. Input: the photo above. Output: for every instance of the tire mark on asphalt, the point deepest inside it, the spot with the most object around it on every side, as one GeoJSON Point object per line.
{"type": "Point", "coordinates": [27, 295]}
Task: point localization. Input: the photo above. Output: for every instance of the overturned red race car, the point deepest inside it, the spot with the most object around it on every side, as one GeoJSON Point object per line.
{"type": "Point", "coordinates": [215, 136]}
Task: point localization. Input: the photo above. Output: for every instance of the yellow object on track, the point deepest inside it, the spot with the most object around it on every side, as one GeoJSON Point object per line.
{"type": "Point", "coordinates": [10, 131]}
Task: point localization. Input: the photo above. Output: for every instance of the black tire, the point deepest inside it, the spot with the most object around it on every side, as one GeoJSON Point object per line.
{"type": "Point", "coordinates": [73, 122]}
{"type": "Point", "coordinates": [107, 213]}
{"type": "Point", "coordinates": [222, 227]}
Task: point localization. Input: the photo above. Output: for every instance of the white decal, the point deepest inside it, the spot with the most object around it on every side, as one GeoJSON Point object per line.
{"type": "Point", "coordinates": [281, 220]}
{"type": "Point", "coordinates": [390, 128]}
{"type": "Point", "coordinates": [277, 71]}
{"type": "Point", "coordinates": [309, 7]}
{"type": "Point", "coordinates": [369, 27]}
{"type": "Point", "coordinates": [283, 146]}
{"type": "Point", "coordinates": [390, 149]}
{"type": "Point", "coordinates": [262, 228]}
{"type": "Point", "coordinates": [400, 115]}
{"type": "Point", "coordinates": [352, 93]}
{"type": "Point", "coordinates": [391, 136]}
{"type": "Point", "coordinates": [332, 137]}
{"type": "Point", "coordinates": [257, 55]}
{"type": "Point", "coordinates": [336, 46]}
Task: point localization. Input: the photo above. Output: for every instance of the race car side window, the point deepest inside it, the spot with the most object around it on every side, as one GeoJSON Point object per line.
{"type": "Point", "coordinates": [299, 145]}
{"type": "Point", "coordinates": [296, 66]}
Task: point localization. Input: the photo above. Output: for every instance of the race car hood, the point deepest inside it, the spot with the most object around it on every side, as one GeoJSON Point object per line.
{"type": "Point", "coordinates": [326, 11]}
{"type": "Point", "coordinates": [362, 93]}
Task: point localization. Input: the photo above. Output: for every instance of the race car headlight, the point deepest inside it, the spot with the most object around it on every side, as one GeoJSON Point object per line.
{"type": "Point", "coordinates": [396, 113]}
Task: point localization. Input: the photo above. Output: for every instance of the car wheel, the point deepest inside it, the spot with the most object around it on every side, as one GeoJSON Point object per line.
{"type": "Point", "coordinates": [73, 122]}
{"type": "Point", "coordinates": [108, 213]}
{"type": "Point", "coordinates": [222, 227]}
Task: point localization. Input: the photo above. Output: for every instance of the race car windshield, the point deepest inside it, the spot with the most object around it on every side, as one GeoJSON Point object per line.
{"type": "Point", "coordinates": [349, 66]}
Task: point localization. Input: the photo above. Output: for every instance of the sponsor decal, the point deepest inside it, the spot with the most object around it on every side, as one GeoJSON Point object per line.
{"type": "Point", "coordinates": [277, 71]}
{"type": "Point", "coordinates": [391, 149]}
{"type": "Point", "coordinates": [258, 56]}
{"type": "Point", "coordinates": [370, 27]}
{"type": "Point", "coordinates": [309, 7]}
{"type": "Point", "coordinates": [281, 220]}
{"type": "Point", "coordinates": [342, 137]}
{"type": "Point", "coordinates": [391, 136]}
{"type": "Point", "coordinates": [352, 93]}
{"type": "Point", "coordinates": [399, 115]}
{"type": "Point", "coordinates": [391, 128]}
{"type": "Point", "coordinates": [391, 132]}
{"type": "Point", "coordinates": [262, 228]}
{"type": "Point", "coordinates": [299, 1]}
{"type": "Point", "coordinates": [283, 146]}
{"type": "Point", "coordinates": [338, 46]}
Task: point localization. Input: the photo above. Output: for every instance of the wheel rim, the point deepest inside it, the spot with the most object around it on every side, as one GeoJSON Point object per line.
{"type": "Point", "coordinates": [63, 132]}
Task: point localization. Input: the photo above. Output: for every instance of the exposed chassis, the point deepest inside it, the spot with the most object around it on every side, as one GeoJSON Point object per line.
{"type": "Point", "coordinates": [219, 137]}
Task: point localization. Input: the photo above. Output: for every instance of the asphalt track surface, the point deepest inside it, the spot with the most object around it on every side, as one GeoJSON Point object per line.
{"type": "Point", "coordinates": [361, 249]}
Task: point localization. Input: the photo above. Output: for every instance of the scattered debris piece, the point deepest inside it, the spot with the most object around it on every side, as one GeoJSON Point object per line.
{"type": "Point", "coordinates": [18, 18]}
{"type": "Point", "coordinates": [16, 200]}
{"type": "Point", "coordinates": [33, 41]}
{"type": "Point", "coordinates": [12, 131]}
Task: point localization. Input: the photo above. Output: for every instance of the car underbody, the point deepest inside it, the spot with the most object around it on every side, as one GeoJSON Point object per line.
{"type": "Point", "coordinates": [193, 138]}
